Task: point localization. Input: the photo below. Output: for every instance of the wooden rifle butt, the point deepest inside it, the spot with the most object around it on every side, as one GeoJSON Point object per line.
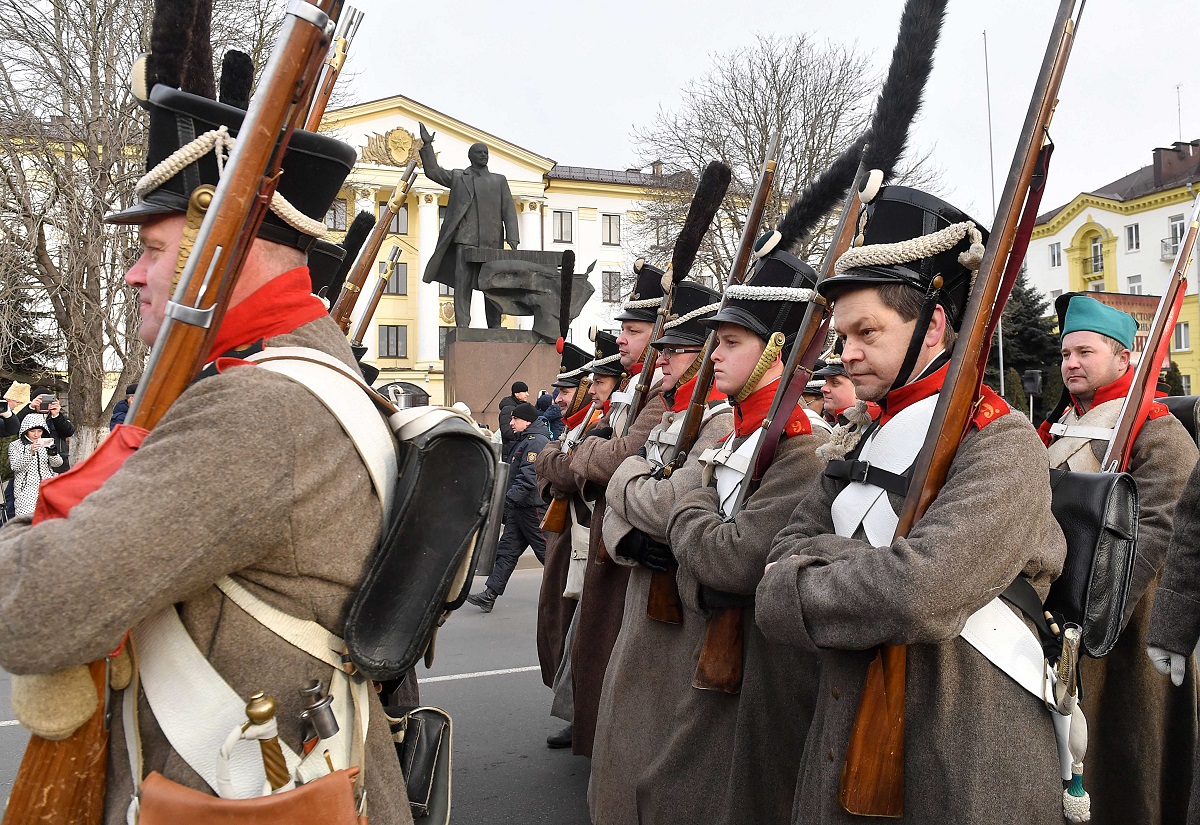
{"type": "Point", "coordinates": [720, 664]}
{"type": "Point", "coordinates": [63, 781]}
{"type": "Point", "coordinates": [555, 518]}
{"type": "Point", "coordinates": [662, 602]}
{"type": "Point", "coordinates": [602, 556]}
{"type": "Point", "coordinates": [873, 775]}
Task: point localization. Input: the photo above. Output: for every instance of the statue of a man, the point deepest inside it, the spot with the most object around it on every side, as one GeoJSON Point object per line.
{"type": "Point", "coordinates": [480, 213]}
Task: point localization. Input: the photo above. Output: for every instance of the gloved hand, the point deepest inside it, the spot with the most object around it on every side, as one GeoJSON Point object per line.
{"type": "Point", "coordinates": [600, 432]}
{"type": "Point", "coordinates": [1168, 663]}
{"type": "Point", "coordinates": [639, 547]}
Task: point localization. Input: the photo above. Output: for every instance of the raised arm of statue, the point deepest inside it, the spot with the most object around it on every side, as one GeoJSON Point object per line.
{"type": "Point", "coordinates": [429, 164]}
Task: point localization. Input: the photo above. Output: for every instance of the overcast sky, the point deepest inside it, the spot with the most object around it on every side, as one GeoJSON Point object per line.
{"type": "Point", "coordinates": [570, 81]}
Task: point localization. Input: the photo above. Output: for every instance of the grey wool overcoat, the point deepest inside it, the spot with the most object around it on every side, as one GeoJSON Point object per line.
{"type": "Point", "coordinates": [600, 610]}
{"type": "Point", "coordinates": [732, 759]}
{"type": "Point", "coordinates": [289, 513]}
{"type": "Point", "coordinates": [651, 662]}
{"type": "Point", "coordinates": [979, 749]}
{"type": "Point", "coordinates": [1141, 728]}
{"type": "Point", "coordinates": [554, 611]}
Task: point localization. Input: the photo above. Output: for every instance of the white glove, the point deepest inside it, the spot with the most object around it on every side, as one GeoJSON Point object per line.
{"type": "Point", "coordinates": [1168, 663]}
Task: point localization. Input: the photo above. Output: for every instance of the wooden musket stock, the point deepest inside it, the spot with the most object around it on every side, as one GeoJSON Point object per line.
{"type": "Point", "coordinates": [554, 520]}
{"type": "Point", "coordinates": [719, 666]}
{"type": "Point", "coordinates": [872, 782]}
{"type": "Point", "coordinates": [381, 283]}
{"type": "Point", "coordinates": [63, 781]}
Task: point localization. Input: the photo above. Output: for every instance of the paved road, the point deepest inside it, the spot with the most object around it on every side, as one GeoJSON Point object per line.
{"type": "Point", "coordinates": [503, 771]}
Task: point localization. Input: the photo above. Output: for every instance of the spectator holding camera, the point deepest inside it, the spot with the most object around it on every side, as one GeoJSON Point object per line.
{"type": "Point", "coordinates": [57, 425]}
{"type": "Point", "coordinates": [33, 458]}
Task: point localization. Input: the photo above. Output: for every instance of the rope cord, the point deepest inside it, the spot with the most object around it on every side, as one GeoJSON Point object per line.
{"type": "Point", "coordinates": [600, 362]}
{"type": "Point", "coordinates": [914, 249]}
{"type": "Point", "coordinates": [769, 354]}
{"type": "Point", "coordinates": [695, 313]}
{"type": "Point", "coordinates": [644, 304]}
{"type": "Point", "coordinates": [747, 292]}
{"type": "Point", "coordinates": [220, 143]}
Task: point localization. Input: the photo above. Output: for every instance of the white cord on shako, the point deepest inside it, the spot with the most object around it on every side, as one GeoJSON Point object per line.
{"type": "Point", "coordinates": [643, 304]}
{"type": "Point", "coordinates": [695, 313]}
{"type": "Point", "coordinates": [219, 142]}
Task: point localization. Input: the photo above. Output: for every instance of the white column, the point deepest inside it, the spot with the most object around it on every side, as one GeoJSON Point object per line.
{"type": "Point", "coordinates": [427, 294]}
{"type": "Point", "coordinates": [529, 215]}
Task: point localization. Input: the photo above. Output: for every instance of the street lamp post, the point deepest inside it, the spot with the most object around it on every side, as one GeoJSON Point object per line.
{"type": "Point", "coordinates": [1031, 381]}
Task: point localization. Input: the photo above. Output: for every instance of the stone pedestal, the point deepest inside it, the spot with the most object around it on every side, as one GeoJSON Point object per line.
{"type": "Point", "coordinates": [483, 364]}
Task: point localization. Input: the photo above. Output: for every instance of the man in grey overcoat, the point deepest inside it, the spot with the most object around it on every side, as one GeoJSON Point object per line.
{"type": "Point", "coordinates": [480, 212]}
{"type": "Point", "coordinates": [979, 747]}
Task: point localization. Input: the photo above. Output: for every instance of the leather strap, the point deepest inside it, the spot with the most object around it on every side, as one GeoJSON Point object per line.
{"type": "Point", "coordinates": [864, 473]}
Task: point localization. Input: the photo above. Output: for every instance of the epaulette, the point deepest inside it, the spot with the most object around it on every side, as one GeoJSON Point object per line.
{"type": "Point", "coordinates": [989, 407]}
{"type": "Point", "coordinates": [1157, 410]}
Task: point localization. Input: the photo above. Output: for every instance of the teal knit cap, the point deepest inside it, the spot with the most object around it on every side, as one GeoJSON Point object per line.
{"type": "Point", "coordinates": [1085, 314]}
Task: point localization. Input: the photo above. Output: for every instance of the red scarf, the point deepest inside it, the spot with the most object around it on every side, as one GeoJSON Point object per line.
{"type": "Point", "coordinates": [988, 408]}
{"type": "Point", "coordinates": [1110, 392]}
{"type": "Point", "coordinates": [278, 307]}
{"type": "Point", "coordinates": [683, 395]}
{"type": "Point", "coordinates": [749, 415]}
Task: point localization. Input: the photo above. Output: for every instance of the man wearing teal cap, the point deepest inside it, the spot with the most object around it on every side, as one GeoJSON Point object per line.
{"type": "Point", "coordinates": [1142, 731]}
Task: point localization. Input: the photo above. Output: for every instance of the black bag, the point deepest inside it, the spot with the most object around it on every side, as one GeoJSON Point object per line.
{"type": "Point", "coordinates": [424, 740]}
{"type": "Point", "coordinates": [1098, 513]}
{"type": "Point", "coordinates": [421, 569]}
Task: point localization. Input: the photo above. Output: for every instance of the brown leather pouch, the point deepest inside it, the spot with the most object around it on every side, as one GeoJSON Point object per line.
{"type": "Point", "coordinates": [325, 801]}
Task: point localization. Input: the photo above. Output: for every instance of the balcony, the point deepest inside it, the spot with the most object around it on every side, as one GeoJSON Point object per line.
{"type": "Point", "coordinates": [1093, 265]}
{"type": "Point", "coordinates": [1168, 249]}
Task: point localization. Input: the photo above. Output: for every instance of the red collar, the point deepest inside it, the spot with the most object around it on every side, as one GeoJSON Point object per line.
{"type": "Point", "coordinates": [636, 369]}
{"type": "Point", "coordinates": [910, 394]}
{"type": "Point", "coordinates": [683, 395]}
{"type": "Point", "coordinates": [1109, 392]}
{"type": "Point", "coordinates": [278, 307]}
{"type": "Point", "coordinates": [577, 417]}
{"type": "Point", "coordinates": [749, 415]}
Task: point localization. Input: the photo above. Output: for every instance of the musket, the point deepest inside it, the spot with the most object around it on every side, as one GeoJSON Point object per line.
{"type": "Point", "coordinates": [1158, 345]}
{"type": "Point", "coordinates": [62, 781]}
{"type": "Point", "coordinates": [872, 782]}
{"type": "Point", "coordinates": [343, 307]}
{"type": "Point", "coordinates": [662, 600]}
{"type": "Point", "coordinates": [347, 28]}
{"type": "Point", "coordinates": [694, 417]}
{"type": "Point", "coordinates": [554, 520]}
{"type": "Point", "coordinates": [381, 283]}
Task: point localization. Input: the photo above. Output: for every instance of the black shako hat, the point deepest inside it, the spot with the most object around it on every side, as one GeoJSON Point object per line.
{"type": "Point", "coordinates": [896, 216]}
{"type": "Point", "coordinates": [571, 367]}
{"type": "Point", "coordinates": [314, 166]}
{"type": "Point", "coordinates": [643, 303]}
{"type": "Point", "coordinates": [772, 299]}
{"type": "Point", "coordinates": [831, 362]}
{"type": "Point", "coordinates": [691, 304]}
{"type": "Point", "coordinates": [608, 356]}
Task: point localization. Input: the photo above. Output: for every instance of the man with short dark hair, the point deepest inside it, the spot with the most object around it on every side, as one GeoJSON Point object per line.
{"type": "Point", "coordinates": [519, 393]}
{"type": "Point", "coordinates": [1142, 732]}
{"type": "Point", "coordinates": [122, 407]}
{"type": "Point", "coordinates": [523, 505]}
{"type": "Point", "coordinates": [978, 744]}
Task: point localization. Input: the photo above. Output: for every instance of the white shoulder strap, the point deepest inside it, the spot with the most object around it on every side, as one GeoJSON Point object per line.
{"type": "Point", "coordinates": [347, 397]}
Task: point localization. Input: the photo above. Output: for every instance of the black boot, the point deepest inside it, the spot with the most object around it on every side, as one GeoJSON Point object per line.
{"type": "Point", "coordinates": [562, 739]}
{"type": "Point", "coordinates": [485, 601]}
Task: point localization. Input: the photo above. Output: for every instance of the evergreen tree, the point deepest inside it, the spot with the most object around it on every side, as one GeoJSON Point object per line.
{"type": "Point", "coordinates": [1029, 344]}
{"type": "Point", "coordinates": [1014, 391]}
{"type": "Point", "coordinates": [1174, 379]}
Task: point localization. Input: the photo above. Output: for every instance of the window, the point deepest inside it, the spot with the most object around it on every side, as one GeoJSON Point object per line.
{"type": "Point", "coordinates": [1133, 238]}
{"type": "Point", "coordinates": [1186, 382]}
{"type": "Point", "coordinates": [611, 289]}
{"type": "Point", "coordinates": [1176, 229]}
{"type": "Point", "coordinates": [335, 218]}
{"type": "Point", "coordinates": [397, 284]}
{"type": "Point", "coordinates": [1096, 286]}
{"type": "Point", "coordinates": [1096, 262]}
{"type": "Point", "coordinates": [393, 341]}
{"type": "Point", "coordinates": [1182, 339]}
{"type": "Point", "coordinates": [1135, 284]}
{"type": "Point", "coordinates": [1055, 254]}
{"type": "Point", "coordinates": [445, 291]}
{"type": "Point", "coordinates": [563, 228]}
{"type": "Point", "coordinates": [399, 224]}
{"type": "Point", "coordinates": [610, 230]}
{"type": "Point", "coordinates": [442, 333]}
{"type": "Point", "coordinates": [1054, 293]}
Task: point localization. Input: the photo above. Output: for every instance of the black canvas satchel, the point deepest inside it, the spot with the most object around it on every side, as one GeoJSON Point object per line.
{"type": "Point", "coordinates": [423, 738]}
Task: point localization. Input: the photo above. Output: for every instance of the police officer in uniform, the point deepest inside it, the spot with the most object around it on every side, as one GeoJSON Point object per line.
{"type": "Point", "coordinates": [523, 504]}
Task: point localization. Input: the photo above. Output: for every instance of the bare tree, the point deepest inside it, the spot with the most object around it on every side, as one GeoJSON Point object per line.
{"type": "Point", "coordinates": [819, 95]}
{"type": "Point", "coordinates": [71, 141]}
